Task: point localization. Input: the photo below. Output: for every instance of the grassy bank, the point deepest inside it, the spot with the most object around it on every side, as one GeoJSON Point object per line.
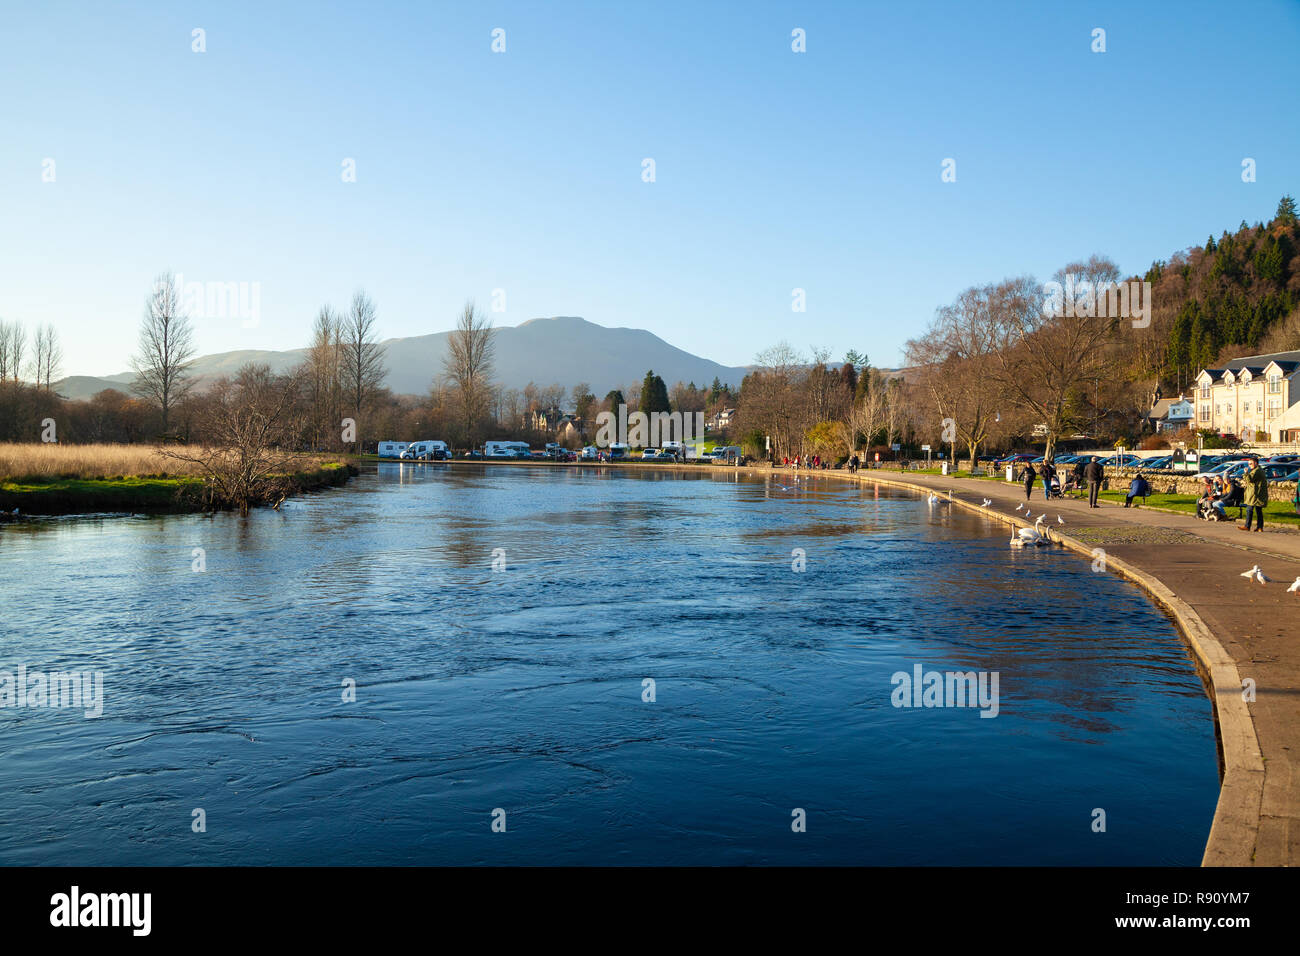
{"type": "Point", "coordinates": [51, 479]}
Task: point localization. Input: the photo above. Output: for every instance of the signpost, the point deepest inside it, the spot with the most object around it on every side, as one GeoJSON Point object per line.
{"type": "Point", "coordinates": [926, 449]}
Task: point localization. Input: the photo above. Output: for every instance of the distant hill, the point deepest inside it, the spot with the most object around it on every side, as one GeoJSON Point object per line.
{"type": "Point", "coordinates": [564, 349]}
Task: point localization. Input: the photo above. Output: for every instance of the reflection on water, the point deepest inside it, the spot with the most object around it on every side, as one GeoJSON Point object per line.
{"type": "Point", "coordinates": [522, 689]}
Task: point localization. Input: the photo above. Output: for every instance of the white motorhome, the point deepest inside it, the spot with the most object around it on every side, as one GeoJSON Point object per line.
{"type": "Point", "coordinates": [618, 450]}
{"type": "Point", "coordinates": [392, 449]}
{"type": "Point", "coordinates": [505, 449]}
{"type": "Point", "coordinates": [432, 450]}
{"type": "Point", "coordinates": [590, 453]}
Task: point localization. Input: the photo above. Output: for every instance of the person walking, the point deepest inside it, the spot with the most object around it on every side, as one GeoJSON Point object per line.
{"type": "Point", "coordinates": [1255, 497]}
{"type": "Point", "coordinates": [1030, 475]}
{"type": "Point", "coordinates": [1048, 471]}
{"type": "Point", "coordinates": [1094, 473]}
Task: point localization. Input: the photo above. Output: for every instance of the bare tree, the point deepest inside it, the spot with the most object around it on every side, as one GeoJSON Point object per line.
{"type": "Point", "coordinates": [774, 399]}
{"type": "Point", "coordinates": [53, 356]}
{"type": "Point", "coordinates": [468, 365]}
{"type": "Point", "coordinates": [166, 348]}
{"type": "Point", "coordinates": [1045, 360]}
{"type": "Point", "coordinates": [362, 356]}
{"type": "Point", "coordinates": [6, 332]}
{"type": "Point", "coordinates": [865, 413]}
{"type": "Point", "coordinates": [249, 425]}
{"type": "Point", "coordinates": [955, 357]}
{"type": "Point", "coordinates": [323, 380]}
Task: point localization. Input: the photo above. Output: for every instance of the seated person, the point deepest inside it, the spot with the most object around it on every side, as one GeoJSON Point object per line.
{"type": "Point", "coordinates": [1209, 506]}
{"type": "Point", "coordinates": [1231, 494]}
{"type": "Point", "coordinates": [1138, 488]}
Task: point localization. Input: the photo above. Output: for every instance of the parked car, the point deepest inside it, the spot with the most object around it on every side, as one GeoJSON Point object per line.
{"type": "Point", "coordinates": [662, 454]}
{"type": "Point", "coordinates": [1013, 460]}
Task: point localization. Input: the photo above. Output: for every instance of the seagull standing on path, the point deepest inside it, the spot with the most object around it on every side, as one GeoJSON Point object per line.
{"type": "Point", "coordinates": [1019, 506]}
{"type": "Point", "coordinates": [1295, 586]}
{"type": "Point", "coordinates": [1257, 574]}
{"type": "Point", "coordinates": [1060, 520]}
{"type": "Point", "coordinates": [987, 502]}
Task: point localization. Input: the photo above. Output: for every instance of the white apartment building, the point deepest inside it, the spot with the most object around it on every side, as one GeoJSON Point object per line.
{"type": "Point", "coordinates": [1249, 395]}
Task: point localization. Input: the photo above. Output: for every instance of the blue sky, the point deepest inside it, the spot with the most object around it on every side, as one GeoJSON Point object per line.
{"type": "Point", "coordinates": [522, 170]}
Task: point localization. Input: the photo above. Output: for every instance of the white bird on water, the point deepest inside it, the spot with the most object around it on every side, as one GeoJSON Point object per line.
{"type": "Point", "coordinates": [1034, 535]}
{"type": "Point", "coordinates": [1295, 586]}
{"type": "Point", "coordinates": [933, 499]}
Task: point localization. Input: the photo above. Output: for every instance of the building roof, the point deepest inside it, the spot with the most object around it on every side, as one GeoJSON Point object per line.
{"type": "Point", "coordinates": [1259, 361]}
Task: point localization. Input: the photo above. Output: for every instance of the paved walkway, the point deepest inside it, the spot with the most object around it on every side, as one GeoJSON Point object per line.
{"type": "Point", "coordinates": [1237, 629]}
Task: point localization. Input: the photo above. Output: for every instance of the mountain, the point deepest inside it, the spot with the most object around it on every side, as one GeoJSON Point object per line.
{"type": "Point", "coordinates": [564, 349]}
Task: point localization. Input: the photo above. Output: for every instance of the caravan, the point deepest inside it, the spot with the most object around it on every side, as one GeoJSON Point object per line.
{"type": "Point", "coordinates": [505, 449]}
{"type": "Point", "coordinates": [391, 449]}
{"type": "Point", "coordinates": [428, 451]}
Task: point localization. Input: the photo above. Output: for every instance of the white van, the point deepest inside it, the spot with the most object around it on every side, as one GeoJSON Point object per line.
{"type": "Point", "coordinates": [590, 453]}
{"type": "Point", "coordinates": [429, 450]}
{"type": "Point", "coordinates": [392, 449]}
{"type": "Point", "coordinates": [618, 450]}
{"type": "Point", "coordinates": [505, 449]}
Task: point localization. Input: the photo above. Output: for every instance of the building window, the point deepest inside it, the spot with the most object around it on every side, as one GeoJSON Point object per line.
{"type": "Point", "coordinates": [1274, 408]}
{"type": "Point", "coordinates": [1218, 410]}
{"type": "Point", "coordinates": [1205, 413]}
{"type": "Point", "coordinates": [1275, 384]}
{"type": "Point", "coordinates": [1227, 408]}
{"type": "Point", "coordinates": [1205, 391]}
{"type": "Point", "coordinates": [1259, 407]}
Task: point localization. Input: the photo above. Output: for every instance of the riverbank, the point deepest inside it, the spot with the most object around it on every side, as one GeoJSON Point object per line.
{"type": "Point", "coordinates": [139, 494]}
{"type": "Point", "coordinates": [1235, 629]}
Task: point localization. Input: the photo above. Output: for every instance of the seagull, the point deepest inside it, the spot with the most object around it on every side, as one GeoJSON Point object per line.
{"type": "Point", "coordinates": [1295, 586]}
{"type": "Point", "coordinates": [1257, 574]}
{"type": "Point", "coordinates": [1060, 520]}
{"type": "Point", "coordinates": [1019, 506]}
{"type": "Point", "coordinates": [987, 502]}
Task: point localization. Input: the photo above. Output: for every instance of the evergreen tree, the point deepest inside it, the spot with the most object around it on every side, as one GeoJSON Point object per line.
{"type": "Point", "coordinates": [1209, 244]}
{"type": "Point", "coordinates": [1286, 211]}
{"type": "Point", "coordinates": [654, 394]}
{"type": "Point", "coordinates": [614, 399]}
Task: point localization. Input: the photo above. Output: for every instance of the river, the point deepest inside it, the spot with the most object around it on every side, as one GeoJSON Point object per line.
{"type": "Point", "coordinates": [769, 733]}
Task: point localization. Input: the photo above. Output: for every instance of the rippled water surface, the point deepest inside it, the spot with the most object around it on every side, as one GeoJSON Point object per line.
{"type": "Point", "coordinates": [521, 689]}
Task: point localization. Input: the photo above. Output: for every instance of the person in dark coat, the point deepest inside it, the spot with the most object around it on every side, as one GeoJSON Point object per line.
{"type": "Point", "coordinates": [1095, 475]}
{"type": "Point", "coordinates": [1030, 475]}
